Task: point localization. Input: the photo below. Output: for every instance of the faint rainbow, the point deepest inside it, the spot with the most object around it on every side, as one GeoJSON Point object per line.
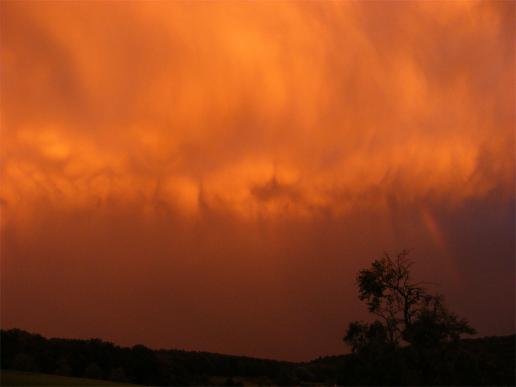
{"type": "Point", "coordinates": [438, 236]}
{"type": "Point", "coordinates": [435, 230]}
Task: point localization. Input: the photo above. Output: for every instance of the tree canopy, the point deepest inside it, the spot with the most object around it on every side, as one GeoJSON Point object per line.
{"type": "Point", "coordinates": [405, 311]}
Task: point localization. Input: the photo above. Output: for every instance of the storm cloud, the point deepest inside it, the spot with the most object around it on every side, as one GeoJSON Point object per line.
{"type": "Point", "coordinates": [212, 176]}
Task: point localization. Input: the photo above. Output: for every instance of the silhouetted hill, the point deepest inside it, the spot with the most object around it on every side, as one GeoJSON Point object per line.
{"type": "Point", "coordinates": [95, 358]}
{"type": "Point", "coordinates": [488, 361]}
{"type": "Point", "coordinates": [480, 361]}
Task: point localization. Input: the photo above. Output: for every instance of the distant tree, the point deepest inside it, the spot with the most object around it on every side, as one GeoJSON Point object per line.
{"type": "Point", "coordinates": [118, 375]}
{"type": "Point", "coordinates": [405, 310]}
{"type": "Point", "coordinates": [24, 362]}
{"type": "Point", "coordinates": [93, 371]}
{"type": "Point", "coordinates": [144, 365]}
{"type": "Point", "coordinates": [62, 367]}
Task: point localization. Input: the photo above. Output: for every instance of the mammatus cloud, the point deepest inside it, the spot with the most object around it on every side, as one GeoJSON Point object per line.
{"type": "Point", "coordinates": [233, 143]}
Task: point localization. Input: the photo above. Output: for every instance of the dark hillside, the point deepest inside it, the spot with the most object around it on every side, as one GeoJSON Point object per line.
{"type": "Point", "coordinates": [95, 358]}
{"type": "Point", "coordinates": [480, 361]}
{"type": "Point", "coordinates": [487, 361]}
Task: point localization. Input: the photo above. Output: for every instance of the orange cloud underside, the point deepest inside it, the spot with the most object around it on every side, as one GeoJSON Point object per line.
{"type": "Point", "coordinates": [173, 101]}
{"type": "Point", "coordinates": [258, 112]}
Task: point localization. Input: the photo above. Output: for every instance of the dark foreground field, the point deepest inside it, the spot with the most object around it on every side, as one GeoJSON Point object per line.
{"type": "Point", "coordinates": [37, 361]}
{"type": "Point", "coordinates": [20, 378]}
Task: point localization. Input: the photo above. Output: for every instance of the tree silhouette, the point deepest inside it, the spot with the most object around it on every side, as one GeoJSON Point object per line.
{"type": "Point", "coordinates": [405, 311]}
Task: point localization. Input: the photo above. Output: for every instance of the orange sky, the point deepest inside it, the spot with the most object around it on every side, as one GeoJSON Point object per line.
{"type": "Point", "coordinates": [211, 176]}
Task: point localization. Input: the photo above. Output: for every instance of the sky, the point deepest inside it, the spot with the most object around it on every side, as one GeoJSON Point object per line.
{"type": "Point", "coordinates": [212, 175]}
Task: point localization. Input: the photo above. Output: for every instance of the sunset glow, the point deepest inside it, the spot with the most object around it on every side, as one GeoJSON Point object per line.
{"type": "Point", "coordinates": [211, 175]}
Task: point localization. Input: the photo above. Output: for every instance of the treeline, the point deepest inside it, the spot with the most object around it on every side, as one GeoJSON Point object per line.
{"type": "Point", "coordinates": [488, 361]}
{"type": "Point", "coordinates": [485, 361]}
{"type": "Point", "coordinates": [97, 359]}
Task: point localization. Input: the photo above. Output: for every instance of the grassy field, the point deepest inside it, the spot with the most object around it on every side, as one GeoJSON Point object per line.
{"type": "Point", "coordinates": [18, 378]}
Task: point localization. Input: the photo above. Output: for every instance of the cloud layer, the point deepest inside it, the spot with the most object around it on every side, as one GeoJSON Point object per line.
{"type": "Point", "coordinates": [212, 175]}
